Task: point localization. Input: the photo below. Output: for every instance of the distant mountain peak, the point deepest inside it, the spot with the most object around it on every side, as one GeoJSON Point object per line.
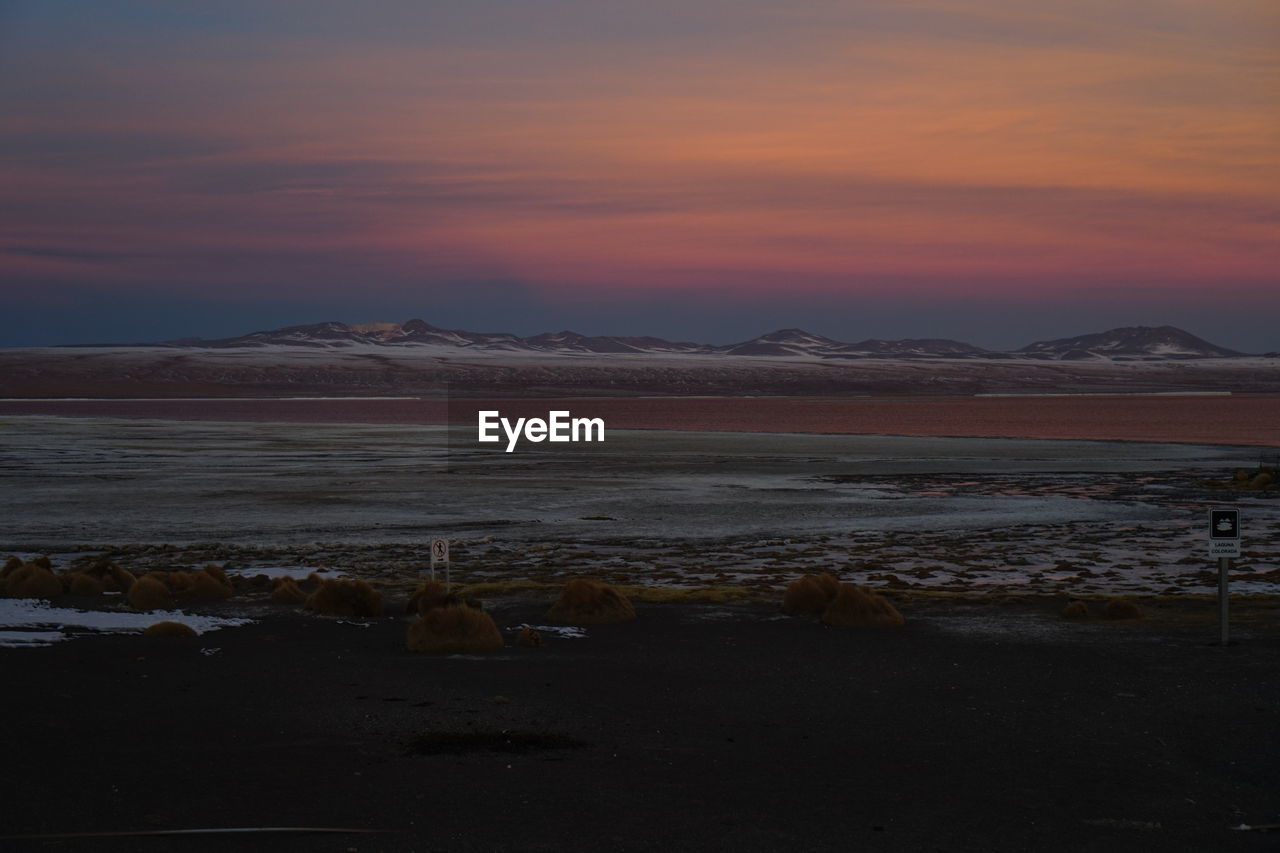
{"type": "Point", "coordinates": [1130, 342]}
{"type": "Point", "coordinates": [785, 342]}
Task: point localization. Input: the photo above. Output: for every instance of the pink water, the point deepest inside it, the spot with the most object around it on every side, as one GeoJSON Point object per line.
{"type": "Point", "coordinates": [1252, 419]}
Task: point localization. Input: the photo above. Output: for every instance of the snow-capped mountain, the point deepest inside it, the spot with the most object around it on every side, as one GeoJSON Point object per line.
{"type": "Point", "coordinates": [1130, 342]}
{"type": "Point", "coordinates": [798, 342]}
{"type": "Point", "coordinates": [419, 332]}
{"type": "Point", "coordinates": [786, 342]}
{"type": "Point", "coordinates": [416, 358]}
{"type": "Point", "coordinates": [1138, 342]}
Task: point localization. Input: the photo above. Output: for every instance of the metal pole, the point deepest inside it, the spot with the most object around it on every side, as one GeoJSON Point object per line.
{"type": "Point", "coordinates": [1224, 566]}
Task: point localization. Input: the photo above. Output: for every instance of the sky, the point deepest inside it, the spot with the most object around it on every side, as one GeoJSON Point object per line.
{"type": "Point", "coordinates": [997, 171]}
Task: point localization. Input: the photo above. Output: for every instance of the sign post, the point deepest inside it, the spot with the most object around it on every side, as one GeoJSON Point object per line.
{"type": "Point", "coordinates": [1224, 543]}
{"type": "Point", "coordinates": [440, 554]}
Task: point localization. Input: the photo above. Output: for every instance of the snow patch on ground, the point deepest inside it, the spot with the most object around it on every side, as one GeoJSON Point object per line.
{"type": "Point", "coordinates": [569, 633]}
{"type": "Point", "coordinates": [22, 618]}
{"type": "Point", "coordinates": [20, 639]}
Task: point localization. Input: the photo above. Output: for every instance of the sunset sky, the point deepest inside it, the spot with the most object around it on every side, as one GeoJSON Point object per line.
{"type": "Point", "coordinates": [703, 169]}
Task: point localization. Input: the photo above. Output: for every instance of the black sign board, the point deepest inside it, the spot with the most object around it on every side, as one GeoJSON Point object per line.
{"type": "Point", "coordinates": [1224, 524]}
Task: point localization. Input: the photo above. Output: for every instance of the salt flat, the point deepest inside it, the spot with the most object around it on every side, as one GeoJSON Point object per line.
{"type": "Point", "coordinates": [647, 506]}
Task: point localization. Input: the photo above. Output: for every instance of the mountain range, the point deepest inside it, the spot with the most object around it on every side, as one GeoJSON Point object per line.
{"type": "Point", "coordinates": [415, 359]}
{"type": "Point", "coordinates": [1128, 343]}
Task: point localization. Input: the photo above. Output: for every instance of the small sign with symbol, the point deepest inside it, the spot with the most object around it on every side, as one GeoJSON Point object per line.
{"type": "Point", "coordinates": [1224, 533]}
{"type": "Point", "coordinates": [440, 554]}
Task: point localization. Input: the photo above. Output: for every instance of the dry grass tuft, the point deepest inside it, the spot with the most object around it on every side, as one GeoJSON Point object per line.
{"type": "Point", "coordinates": [529, 637]}
{"type": "Point", "coordinates": [345, 598]}
{"type": "Point", "coordinates": [32, 580]}
{"type": "Point", "coordinates": [150, 593]}
{"type": "Point", "coordinates": [1261, 481]}
{"type": "Point", "coordinates": [118, 579]}
{"type": "Point", "coordinates": [1121, 608]}
{"type": "Point", "coordinates": [11, 565]}
{"type": "Point", "coordinates": [428, 595]}
{"type": "Point", "coordinates": [169, 629]}
{"type": "Point", "coordinates": [206, 585]}
{"type": "Point", "coordinates": [215, 571]}
{"type": "Point", "coordinates": [287, 591]}
{"type": "Point", "coordinates": [111, 576]}
{"type": "Point", "coordinates": [454, 628]}
{"type": "Point", "coordinates": [859, 607]}
{"type": "Point", "coordinates": [1075, 610]}
{"type": "Point", "coordinates": [261, 582]}
{"type": "Point", "coordinates": [589, 602]}
{"type": "Point", "coordinates": [43, 562]}
{"type": "Point", "coordinates": [810, 594]}
{"type": "Point", "coordinates": [84, 583]}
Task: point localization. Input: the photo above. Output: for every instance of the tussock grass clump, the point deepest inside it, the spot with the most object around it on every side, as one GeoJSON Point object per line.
{"type": "Point", "coordinates": [1121, 608]}
{"type": "Point", "coordinates": [169, 629]}
{"type": "Point", "coordinates": [287, 591]}
{"type": "Point", "coordinates": [454, 628]}
{"type": "Point", "coordinates": [590, 602]}
{"type": "Point", "coordinates": [118, 579]}
{"type": "Point", "coordinates": [215, 571]}
{"type": "Point", "coordinates": [12, 564]}
{"type": "Point", "coordinates": [206, 585]}
{"type": "Point", "coordinates": [859, 607]}
{"type": "Point", "coordinates": [429, 594]}
{"type": "Point", "coordinates": [150, 593]}
{"type": "Point", "coordinates": [810, 594]}
{"type": "Point", "coordinates": [345, 598]}
{"type": "Point", "coordinates": [111, 577]}
{"type": "Point", "coordinates": [1075, 610]}
{"type": "Point", "coordinates": [529, 637]}
{"type": "Point", "coordinates": [32, 580]}
{"type": "Point", "coordinates": [84, 583]}
{"type": "Point", "coordinates": [261, 582]}
{"type": "Point", "coordinates": [43, 562]}
{"type": "Point", "coordinates": [1261, 481]}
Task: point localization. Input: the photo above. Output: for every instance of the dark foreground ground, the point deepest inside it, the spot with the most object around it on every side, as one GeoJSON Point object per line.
{"type": "Point", "coordinates": [694, 727]}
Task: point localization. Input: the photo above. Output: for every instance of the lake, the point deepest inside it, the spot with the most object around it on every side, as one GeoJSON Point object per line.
{"type": "Point", "coordinates": [1238, 419]}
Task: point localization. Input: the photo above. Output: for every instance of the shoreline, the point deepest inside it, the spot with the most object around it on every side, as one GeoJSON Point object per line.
{"type": "Point", "coordinates": [679, 509]}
